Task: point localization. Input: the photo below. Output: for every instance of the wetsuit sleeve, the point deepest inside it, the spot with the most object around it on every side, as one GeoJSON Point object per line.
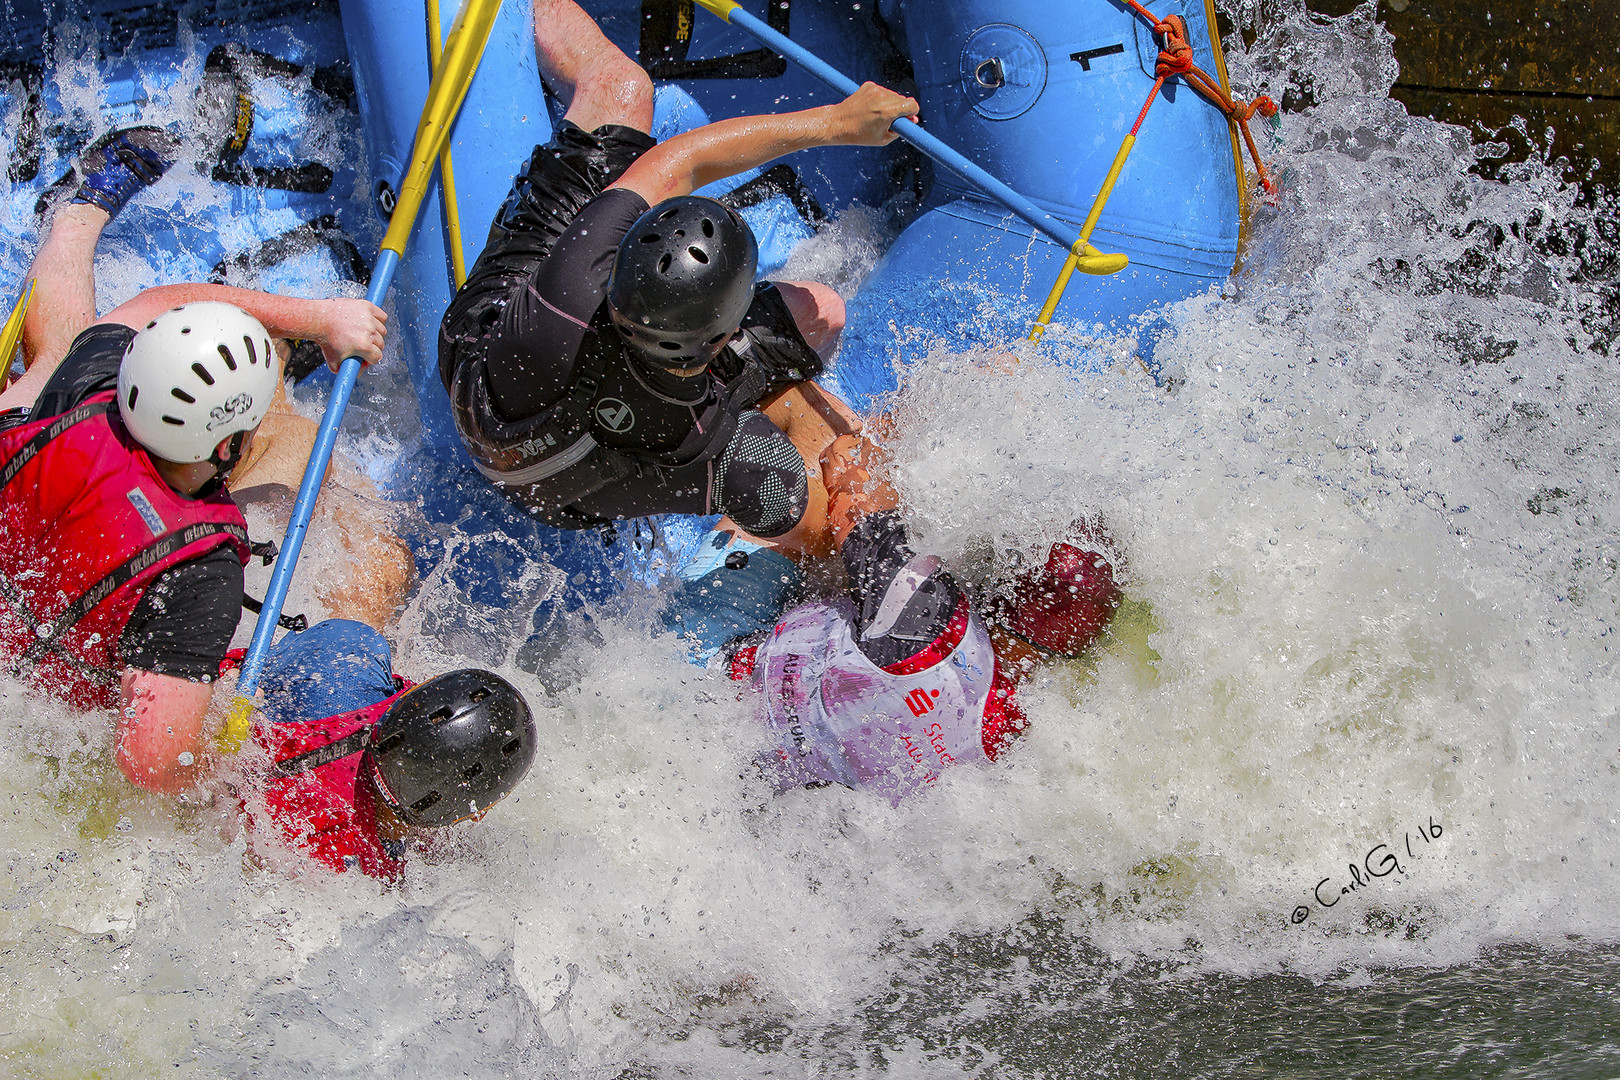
{"type": "Point", "coordinates": [875, 554]}
{"type": "Point", "coordinates": [90, 367]}
{"type": "Point", "coordinates": [530, 352]}
{"type": "Point", "coordinates": [183, 622]}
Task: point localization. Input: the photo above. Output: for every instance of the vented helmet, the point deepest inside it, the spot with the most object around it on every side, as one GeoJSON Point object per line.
{"type": "Point", "coordinates": [683, 280]}
{"type": "Point", "coordinates": [452, 747]}
{"type": "Point", "coordinates": [1061, 607]}
{"type": "Point", "coordinates": [196, 375]}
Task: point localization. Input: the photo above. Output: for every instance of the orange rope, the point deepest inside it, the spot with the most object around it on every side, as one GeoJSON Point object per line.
{"type": "Point", "coordinates": [1176, 58]}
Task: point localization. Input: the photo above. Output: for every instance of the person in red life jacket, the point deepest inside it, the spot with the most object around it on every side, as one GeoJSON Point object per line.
{"type": "Point", "coordinates": [609, 352]}
{"type": "Point", "coordinates": [121, 554]}
{"type": "Point", "coordinates": [906, 676]}
{"type": "Point", "coordinates": [350, 791]}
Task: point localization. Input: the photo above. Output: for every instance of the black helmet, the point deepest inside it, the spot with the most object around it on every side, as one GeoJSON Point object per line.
{"type": "Point", "coordinates": [452, 747]}
{"type": "Point", "coordinates": [683, 280]}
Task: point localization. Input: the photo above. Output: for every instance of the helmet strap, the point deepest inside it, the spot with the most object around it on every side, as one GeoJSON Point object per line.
{"type": "Point", "coordinates": [223, 465]}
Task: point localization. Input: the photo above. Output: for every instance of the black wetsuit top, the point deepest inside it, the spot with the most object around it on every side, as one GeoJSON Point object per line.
{"type": "Point", "coordinates": [532, 321]}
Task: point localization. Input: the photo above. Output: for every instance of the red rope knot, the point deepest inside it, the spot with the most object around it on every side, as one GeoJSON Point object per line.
{"type": "Point", "coordinates": [1176, 57]}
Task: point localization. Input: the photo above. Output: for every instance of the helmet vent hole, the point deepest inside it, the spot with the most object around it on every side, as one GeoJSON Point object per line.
{"type": "Point", "coordinates": [253, 356]}
{"type": "Point", "coordinates": [708, 227]}
{"type": "Point", "coordinates": [479, 694]}
{"type": "Point", "coordinates": [425, 802]}
{"type": "Point", "coordinates": [387, 746]}
{"type": "Point", "coordinates": [473, 771]}
{"type": "Point", "coordinates": [185, 329]}
{"type": "Point", "coordinates": [512, 747]}
{"type": "Point", "coordinates": [440, 715]}
{"type": "Point", "coordinates": [225, 355]}
{"type": "Point", "coordinates": [699, 254]}
{"type": "Point", "coordinates": [134, 392]}
{"type": "Point", "coordinates": [667, 214]}
{"type": "Point", "coordinates": [177, 392]}
{"type": "Point", "coordinates": [663, 263]}
{"type": "Point", "coordinates": [202, 373]}
{"type": "Point", "coordinates": [167, 419]}
{"type": "Point", "coordinates": [651, 238]}
{"type": "Point", "coordinates": [717, 339]}
{"type": "Point", "coordinates": [669, 346]}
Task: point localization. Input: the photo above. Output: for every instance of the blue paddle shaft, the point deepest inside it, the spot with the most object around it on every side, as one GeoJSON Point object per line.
{"type": "Point", "coordinates": [1061, 231]}
{"type": "Point", "coordinates": [304, 508]}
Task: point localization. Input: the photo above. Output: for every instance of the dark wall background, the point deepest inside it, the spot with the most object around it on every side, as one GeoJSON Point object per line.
{"type": "Point", "coordinates": [1480, 64]}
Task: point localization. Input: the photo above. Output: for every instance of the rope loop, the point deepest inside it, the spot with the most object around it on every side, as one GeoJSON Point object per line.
{"type": "Point", "coordinates": [1262, 105]}
{"type": "Point", "coordinates": [1176, 58]}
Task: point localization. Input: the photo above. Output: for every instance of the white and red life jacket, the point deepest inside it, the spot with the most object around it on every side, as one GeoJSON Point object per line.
{"type": "Point", "coordinates": [840, 718]}
{"type": "Point", "coordinates": [313, 797]}
{"type": "Point", "coordinates": [86, 523]}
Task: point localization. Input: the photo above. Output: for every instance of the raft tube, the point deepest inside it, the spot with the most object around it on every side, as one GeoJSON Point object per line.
{"type": "Point", "coordinates": [1042, 95]}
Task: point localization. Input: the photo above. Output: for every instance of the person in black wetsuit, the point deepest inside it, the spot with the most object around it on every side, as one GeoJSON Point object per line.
{"type": "Point", "coordinates": [606, 356]}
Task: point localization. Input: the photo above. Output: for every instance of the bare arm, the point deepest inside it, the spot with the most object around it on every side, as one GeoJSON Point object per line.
{"type": "Point", "coordinates": [727, 147]}
{"type": "Point", "coordinates": [160, 724]}
{"type": "Point", "coordinates": [344, 327]}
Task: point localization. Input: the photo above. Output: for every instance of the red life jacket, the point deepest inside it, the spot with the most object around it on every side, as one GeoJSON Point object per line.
{"type": "Point", "coordinates": [86, 523]}
{"type": "Point", "coordinates": [313, 798]}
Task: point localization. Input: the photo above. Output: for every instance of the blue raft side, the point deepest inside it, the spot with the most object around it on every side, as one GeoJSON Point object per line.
{"type": "Point", "coordinates": [967, 273]}
{"type": "Point", "coordinates": [143, 68]}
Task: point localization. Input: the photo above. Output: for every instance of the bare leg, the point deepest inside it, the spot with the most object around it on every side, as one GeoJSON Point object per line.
{"type": "Point", "coordinates": [817, 310]}
{"type": "Point", "coordinates": [64, 300]}
{"type": "Point", "coordinates": [599, 84]}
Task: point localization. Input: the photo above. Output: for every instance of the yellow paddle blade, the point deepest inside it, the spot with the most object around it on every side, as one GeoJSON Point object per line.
{"type": "Point", "coordinates": [1100, 264]}
{"type": "Point", "coordinates": [462, 51]}
{"type": "Point", "coordinates": [12, 335]}
{"type": "Point", "coordinates": [237, 721]}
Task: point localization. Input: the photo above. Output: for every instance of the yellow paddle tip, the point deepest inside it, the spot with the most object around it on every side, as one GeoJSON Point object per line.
{"type": "Point", "coordinates": [722, 8]}
{"type": "Point", "coordinates": [237, 721]}
{"type": "Point", "coordinates": [1102, 265]}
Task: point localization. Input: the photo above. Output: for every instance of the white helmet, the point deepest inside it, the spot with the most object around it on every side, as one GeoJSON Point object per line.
{"type": "Point", "coordinates": [197, 374]}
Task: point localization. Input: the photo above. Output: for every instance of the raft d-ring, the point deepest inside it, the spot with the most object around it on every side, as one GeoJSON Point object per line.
{"type": "Point", "coordinates": [990, 75]}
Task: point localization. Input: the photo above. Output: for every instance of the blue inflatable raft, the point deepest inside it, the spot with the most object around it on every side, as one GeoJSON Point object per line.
{"type": "Point", "coordinates": [1039, 96]}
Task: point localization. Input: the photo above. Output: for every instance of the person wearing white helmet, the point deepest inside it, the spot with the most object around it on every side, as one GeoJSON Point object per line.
{"type": "Point", "coordinates": [121, 553]}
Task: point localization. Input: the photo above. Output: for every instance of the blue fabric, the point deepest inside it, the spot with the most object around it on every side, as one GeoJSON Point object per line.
{"type": "Point", "coordinates": [715, 604]}
{"type": "Point", "coordinates": [334, 667]}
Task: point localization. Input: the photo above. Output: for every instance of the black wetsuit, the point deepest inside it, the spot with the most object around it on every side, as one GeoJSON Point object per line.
{"type": "Point", "coordinates": [546, 395]}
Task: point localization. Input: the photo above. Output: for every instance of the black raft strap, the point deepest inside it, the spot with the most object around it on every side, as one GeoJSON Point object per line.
{"type": "Point", "coordinates": [352, 743]}
{"type": "Point", "coordinates": [296, 623]}
{"type": "Point", "coordinates": [49, 634]}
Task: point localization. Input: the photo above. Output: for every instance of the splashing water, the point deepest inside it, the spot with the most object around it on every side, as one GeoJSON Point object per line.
{"type": "Point", "coordinates": [1365, 540]}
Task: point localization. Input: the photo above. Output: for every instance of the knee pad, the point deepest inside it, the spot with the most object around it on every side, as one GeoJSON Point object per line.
{"type": "Point", "coordinates": [761, 478]}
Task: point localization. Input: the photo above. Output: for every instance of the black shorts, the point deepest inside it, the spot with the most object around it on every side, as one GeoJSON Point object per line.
{"type": "Point", "coordinates": [556, 182]}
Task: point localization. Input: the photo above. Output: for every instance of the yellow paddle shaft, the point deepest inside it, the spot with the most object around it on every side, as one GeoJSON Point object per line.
{"type": "Point", "coordinates": [447, 171]}
{"type": "Point", "coordinates": [447, 91]}
{"type": "Point", "coordinates": [1084, 257]}
{"type": "Point", "coordinates": [11, 336]}
{"type": "Point", "coordinates": [448, 88]}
